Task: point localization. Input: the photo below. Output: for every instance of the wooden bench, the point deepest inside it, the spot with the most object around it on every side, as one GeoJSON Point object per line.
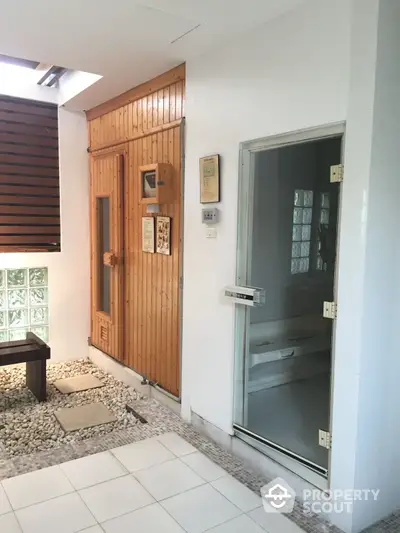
{"type": "Point", "coordinates": [34, 352]}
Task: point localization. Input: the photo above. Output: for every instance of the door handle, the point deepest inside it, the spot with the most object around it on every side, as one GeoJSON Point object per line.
{"type": "Point", "coordinates": [110, 259]}
{"type": "Point", "coordinates": [251, 296]}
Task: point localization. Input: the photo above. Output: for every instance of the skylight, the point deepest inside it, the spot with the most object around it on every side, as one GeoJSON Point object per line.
{"type": "Point", "coordinates": [34, 80]}
{"type": "Point", "coordinates": [31, 71]}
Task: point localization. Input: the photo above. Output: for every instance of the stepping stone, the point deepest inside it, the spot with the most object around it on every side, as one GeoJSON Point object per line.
{"type": "Point", "coordinates": [78, 384]}
{"type": "Point", "coordinates": [84, 416]}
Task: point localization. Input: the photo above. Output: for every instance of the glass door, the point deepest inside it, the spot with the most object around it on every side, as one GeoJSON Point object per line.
{"type": "Point", "coordinates": [287, 247]}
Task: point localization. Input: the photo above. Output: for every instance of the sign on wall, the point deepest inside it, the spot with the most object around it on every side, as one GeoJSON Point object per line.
{"type": "Point", "coordinates": [164, 235]}
{"type": "Point", "coordinates": [209, 179]}
{"type": "Point", "coordinates": [148, 234]}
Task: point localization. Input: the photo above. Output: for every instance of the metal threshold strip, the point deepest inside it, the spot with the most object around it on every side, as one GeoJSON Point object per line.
{"type": "Point", "coordinates": [305, 462]}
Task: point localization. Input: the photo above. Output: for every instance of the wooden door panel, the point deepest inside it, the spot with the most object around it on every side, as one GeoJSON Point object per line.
{"type": "Point", "coordinates": [107, 254]}
{"type": "Point", "coordinates": [152, 281]}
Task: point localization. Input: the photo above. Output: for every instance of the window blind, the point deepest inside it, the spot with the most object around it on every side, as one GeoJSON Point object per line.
{"type": "Point", "coordinates": [29, 176]}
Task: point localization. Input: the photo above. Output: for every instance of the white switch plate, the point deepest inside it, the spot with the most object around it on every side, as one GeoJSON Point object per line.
{"type": "Point", "coordinates": [211, 233]}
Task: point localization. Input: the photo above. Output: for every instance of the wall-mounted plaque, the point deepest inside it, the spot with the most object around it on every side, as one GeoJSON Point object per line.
{"type": "Point", "coordinates": [163, 235]}
{"type": "Point", "coordinates": [209, 179]}
{"type": "Point", "coordinates": [148, 234]}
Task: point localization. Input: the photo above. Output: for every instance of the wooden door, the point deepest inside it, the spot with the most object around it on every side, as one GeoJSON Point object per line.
{"type": "Point", "coordinates": [152, 281]}
{"type": "Point", "coordinates": [107, 252]}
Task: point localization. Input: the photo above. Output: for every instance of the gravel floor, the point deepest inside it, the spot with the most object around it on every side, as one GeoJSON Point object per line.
{"type": "Point", "coordinates": [27, 426]}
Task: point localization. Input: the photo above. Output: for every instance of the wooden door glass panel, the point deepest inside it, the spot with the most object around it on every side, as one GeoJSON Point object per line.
{"type": "Point", "coordinates": [149, 184]}
{"type": "Point", "coordinates": [103, 213]}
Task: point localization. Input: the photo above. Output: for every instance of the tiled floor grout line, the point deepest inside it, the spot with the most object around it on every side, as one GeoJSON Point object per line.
{"type": "Point", "coordinates": [18, 522]}
{"type": "Point", "coordinates": [177, 523]}
{"type": "Point", "coordinates": [199, 475]}
{"type": "Point", "coordinates": [103, 482]}
{"type": "Point", "coordinates": [210, 530]}
{"type": "Point", "coordinates": [6, 496]}
{"type": "Point", "coordinates": [43, 501]}
{"type": "Point", "coordinates": [138, 509]}
{"type": "Point", "coordinates": [125, 474]}
{"type": "Point", "coordinates": [90, 527]}
{"type": "Point", "coordinates": [84, 503]}
{"type": "Point", "coordinates": [169, 514]}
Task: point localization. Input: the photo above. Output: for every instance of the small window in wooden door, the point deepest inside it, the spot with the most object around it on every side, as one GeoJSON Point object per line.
{"type": "Point", "coordinates": [103, 238]}
{"type": "Point", "coordinates": [107, 253]}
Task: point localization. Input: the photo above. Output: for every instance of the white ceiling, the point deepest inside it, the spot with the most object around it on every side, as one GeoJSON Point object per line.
{"type": "Point", "coordinates": [126, 41]}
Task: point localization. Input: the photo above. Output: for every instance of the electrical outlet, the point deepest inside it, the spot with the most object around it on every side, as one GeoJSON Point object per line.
{"type": "Point", "coordinates": [211, 233]}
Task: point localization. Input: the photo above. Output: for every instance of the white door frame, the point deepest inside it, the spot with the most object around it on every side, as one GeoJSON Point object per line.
{"type": "Point", "coordinates": [243, 269]}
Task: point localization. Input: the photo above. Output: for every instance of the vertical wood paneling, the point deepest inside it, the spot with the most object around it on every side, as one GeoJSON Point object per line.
{"type": "Point", "coordinates": [179, 101]}
{"type": "Point", "coordinates": [172, 102]}
{"type": "Point", "coordinates": [134, 119]}
{"type": "Point", "coordinates": [155, 110]}
{"type": "Point", "coordinates": [149, 293]}
{"type": "Point", "coordinates": [102, 130]}
{"type": "Point", "coordinates": [166, 106]}
{"type": "Point", "coordinates": [160, 107]}
{"type": "Point", "coordinates": [152, 297]}
{"type": "Point", "coordinates": [143, 113]}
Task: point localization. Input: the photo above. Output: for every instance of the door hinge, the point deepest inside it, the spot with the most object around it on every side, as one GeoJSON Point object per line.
{"type": "Point", "coordinates": [325, 439]}
{"type": "Point", "coordinates": [337, 173]}
{"type": "Point", "coordinates": [330, 310]}
{"type": "Point", "coordinates": [89, 341]}
{"type": "Point", "coordinates": [181, 283]}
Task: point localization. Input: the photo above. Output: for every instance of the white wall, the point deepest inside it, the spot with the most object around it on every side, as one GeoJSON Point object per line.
{"type": "Point", "coordinates": [69, 296]}
{"type": "Point", "coordinates": [367, 393]}
{"type": "Point", "coordinates": [73, 83]}
{"type": "Point", "coordinates": [285, 76]}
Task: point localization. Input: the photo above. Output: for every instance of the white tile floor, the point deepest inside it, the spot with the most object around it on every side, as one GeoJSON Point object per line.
{"type": "Point", "coordinates": [160, 485]}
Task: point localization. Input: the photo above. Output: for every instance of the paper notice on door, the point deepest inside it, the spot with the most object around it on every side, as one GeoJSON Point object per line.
{"type": "Point", "coordinates": [148, 234]}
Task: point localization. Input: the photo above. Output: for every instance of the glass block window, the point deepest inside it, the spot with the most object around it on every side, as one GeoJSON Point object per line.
{"type": "Point", "coordinates": [323, 225]}
{"type": "Point", "coordinates": [24, 303]}
{"type": "Point", "coordinates": [301, 231]}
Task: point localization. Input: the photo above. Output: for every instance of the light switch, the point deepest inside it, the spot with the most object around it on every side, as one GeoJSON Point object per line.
{"type": "Point", "coordinates": [211, 232]}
